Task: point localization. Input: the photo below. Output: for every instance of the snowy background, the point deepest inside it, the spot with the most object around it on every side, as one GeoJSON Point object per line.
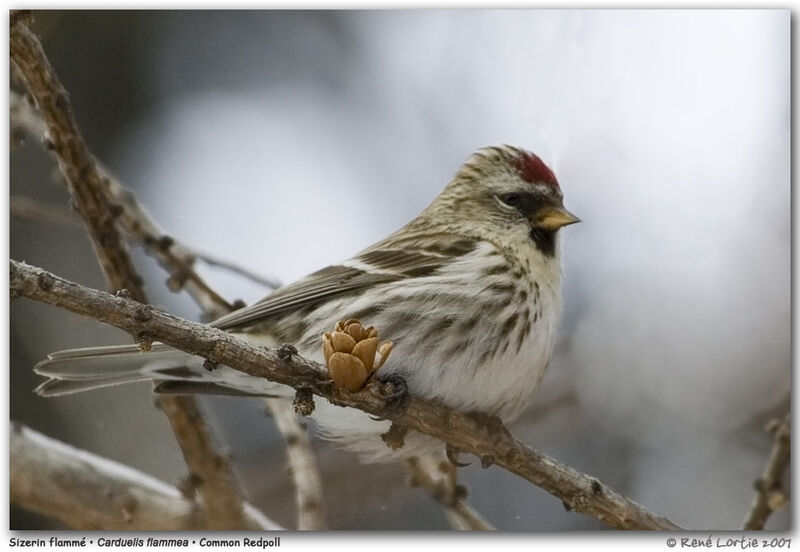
{"type": "Point", "coordinates": [258, 137]}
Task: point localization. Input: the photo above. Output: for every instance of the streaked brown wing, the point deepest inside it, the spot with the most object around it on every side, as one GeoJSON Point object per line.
{"type": "Point", "coordinates": [390, 264]}
{"type": "Point", "coordinates": [321, 285]}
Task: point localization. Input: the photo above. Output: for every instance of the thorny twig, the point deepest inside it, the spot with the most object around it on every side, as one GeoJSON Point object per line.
{"type": "Point", "coordinates": [480, 435]}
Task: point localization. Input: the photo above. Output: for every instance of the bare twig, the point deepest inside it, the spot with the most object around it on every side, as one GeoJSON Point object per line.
{"type": "Point", "coordinates": [173, 256]}
{"type": "Point", "coordinates": [39, 211]}
{"type": "Point", "coordinates": [210, 260]}
{"type": "Point", "coordinates": [26, 208]}
{"type": "Point", "coordinates": [769, 495]}
{"type": "Point", "coordinates": [89, 186]}
{"type": "Point", "coordinates": [426, 473]}
{"type": "Point", "coordinates": [210, 472]}
{"type": "Point", "coordinates": [86, 491]}
{"type": "Point", "coordinates": [24, 119]}
{"type": "Point", "coordinates": [86, 184]}
{"type": "Point", "coordinates": [480, 435]}
{"type": "Point", "coordinates": [303, 468]}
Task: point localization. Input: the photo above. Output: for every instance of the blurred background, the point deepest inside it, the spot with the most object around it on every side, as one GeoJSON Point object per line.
{"type": "Point", "coordinates": [285, 141]}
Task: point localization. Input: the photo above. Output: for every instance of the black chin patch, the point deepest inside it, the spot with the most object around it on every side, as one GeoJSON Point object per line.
{"type": "Point", "coordinates": [545, 241]}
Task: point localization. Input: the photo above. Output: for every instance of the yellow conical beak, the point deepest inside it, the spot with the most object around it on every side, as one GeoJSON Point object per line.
{"type": "Point", "coordinates": [553, 218]}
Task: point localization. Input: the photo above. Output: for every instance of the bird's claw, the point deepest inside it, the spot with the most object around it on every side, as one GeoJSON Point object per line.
{"type": "Point", "coordinates": [394, 391]}
{"type": "Point", "coordinates": [452, 456]}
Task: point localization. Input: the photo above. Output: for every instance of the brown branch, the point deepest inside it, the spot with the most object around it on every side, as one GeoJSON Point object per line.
{"type": "Point", "coordinates": [480, 435]}
{"type": "Point", "coordinates": [25, 208]}
{"type": "Point", "coordinates": [89, 186]}
{"type": "Point", "coordinates": [85, 183]}
{"type": "Point", "coordinates": [86, 491]}
{"type": "Point", "coordinates": [311, 514]}
{"type": "Point", "coordinates": [769, 496]}
{"type": "Point", "coordinates": [174, 257]}
{"type": "Point", "coordinates": [426, 473]}
{"type": "Point", "coordinates": [177, 259]}
{"type": "Point", "coordinates": [209, 472]}
{"type": "Point", "coordinates": [210, 260]}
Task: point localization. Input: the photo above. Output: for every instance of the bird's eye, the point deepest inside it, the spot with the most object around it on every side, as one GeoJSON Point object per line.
{"type": "Point", "coordinates": [512, 200]}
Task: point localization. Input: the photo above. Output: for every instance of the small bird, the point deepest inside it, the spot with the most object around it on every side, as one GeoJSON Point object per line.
{"type": "Point", "coordinates": [469, 292]}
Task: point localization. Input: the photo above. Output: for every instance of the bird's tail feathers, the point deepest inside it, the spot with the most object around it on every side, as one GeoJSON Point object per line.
{"type": "Point", "coordinates": [173, 371]}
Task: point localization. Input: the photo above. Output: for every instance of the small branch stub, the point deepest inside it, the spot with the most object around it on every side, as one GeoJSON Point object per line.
{"type": "Point", "coordinates": [769, 495]}
{"type": "Point", "coordinates": [395, 437]}
{"type": "Point", "coordinates": [286, 351]}
{"type": "Point", "coordinates": [144, 341]}
{"type": "Point", "coordinates": [303, 402]}
{"type": "Point", "coordinates": [210, 366]}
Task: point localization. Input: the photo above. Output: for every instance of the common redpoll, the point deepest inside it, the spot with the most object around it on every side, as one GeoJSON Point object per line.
{"type": "Point", "coordinates": [469, 292]}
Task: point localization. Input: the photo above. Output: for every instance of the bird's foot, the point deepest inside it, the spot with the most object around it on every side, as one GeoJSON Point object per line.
{"type": "Point", "coordinates": [394, 391]}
